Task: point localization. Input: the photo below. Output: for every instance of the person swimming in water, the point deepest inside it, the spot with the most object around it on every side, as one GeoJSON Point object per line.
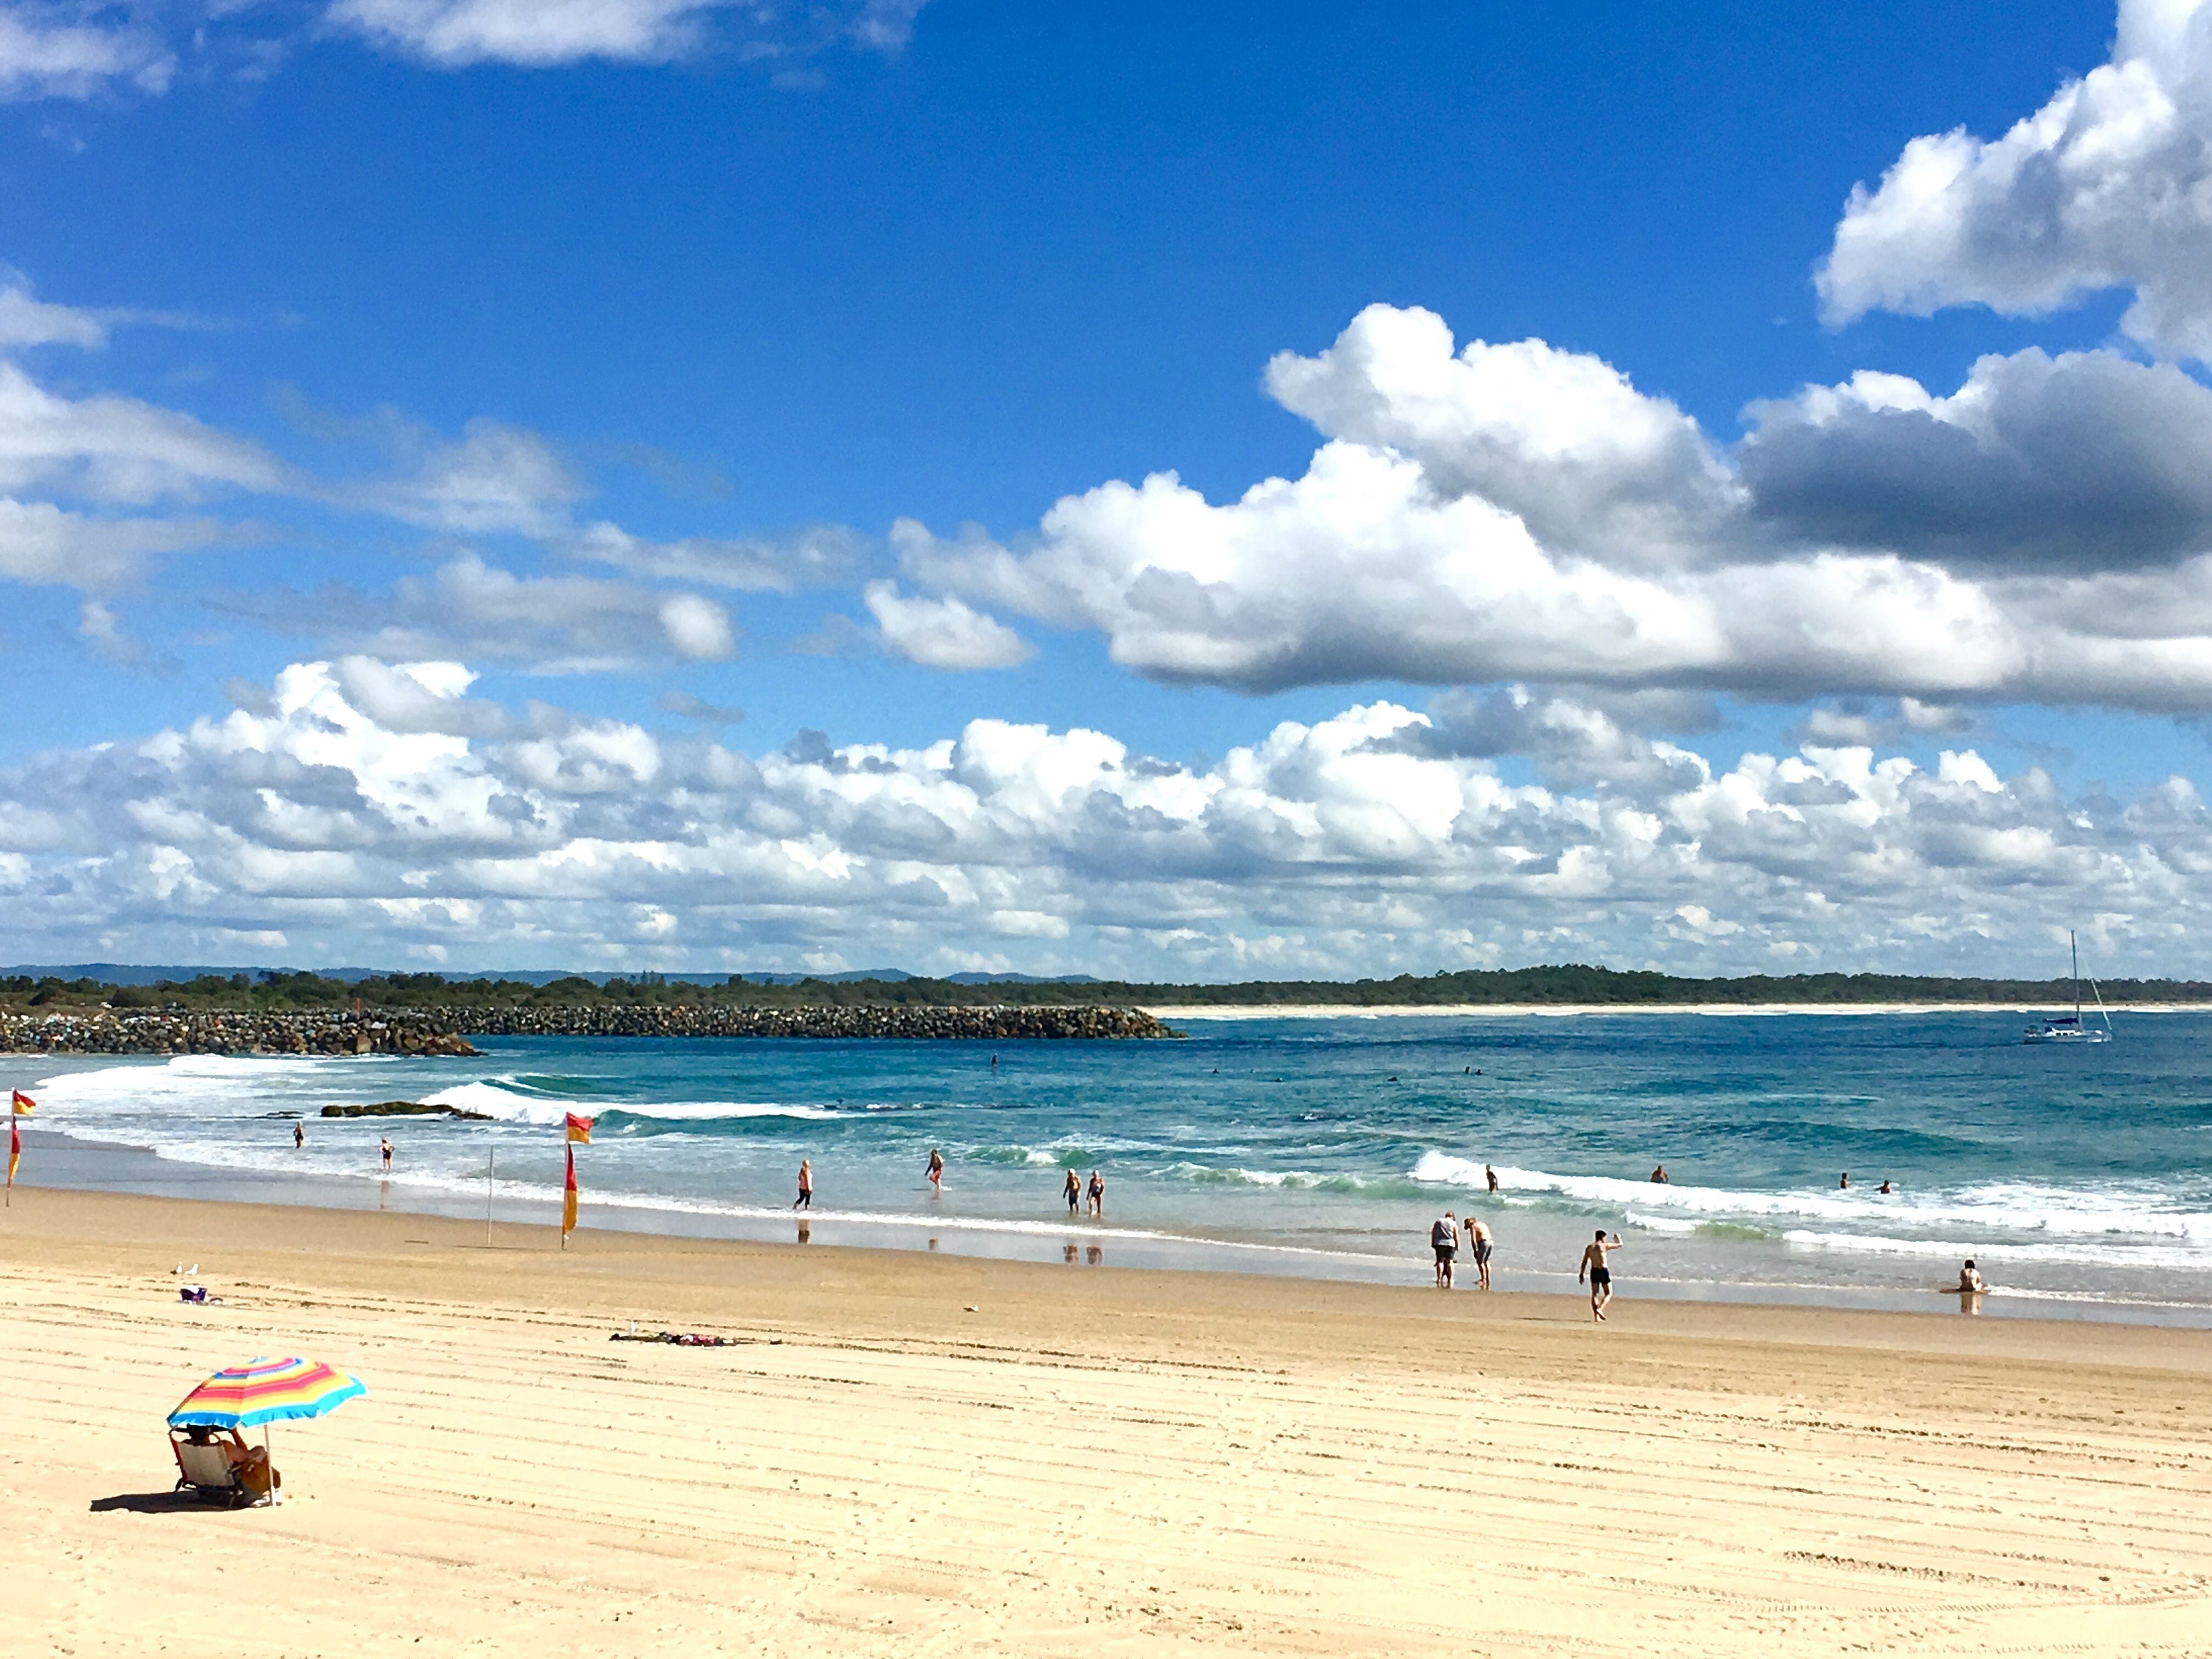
{"type": "Point", "coordinates": [1661, 1176]}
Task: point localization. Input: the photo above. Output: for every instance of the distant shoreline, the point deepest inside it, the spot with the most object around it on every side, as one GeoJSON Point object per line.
{"type": "Point", "coordinates": [1523, 1010]}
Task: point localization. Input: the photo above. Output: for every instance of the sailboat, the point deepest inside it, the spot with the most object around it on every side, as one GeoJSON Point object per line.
{"type": "Point", "coordinates": [2071, 1029]}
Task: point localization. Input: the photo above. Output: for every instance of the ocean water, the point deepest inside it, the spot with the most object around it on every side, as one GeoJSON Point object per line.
{"type": "Point", "coordinates": [2080, 1179]}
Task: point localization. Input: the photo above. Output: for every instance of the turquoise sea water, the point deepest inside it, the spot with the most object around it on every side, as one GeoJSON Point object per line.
{"type": "Point", "coordinates": [2080, 1178]}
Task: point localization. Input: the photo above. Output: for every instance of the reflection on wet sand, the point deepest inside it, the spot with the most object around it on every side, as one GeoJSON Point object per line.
{"type": "Point", "coordinates": [805, 1233]}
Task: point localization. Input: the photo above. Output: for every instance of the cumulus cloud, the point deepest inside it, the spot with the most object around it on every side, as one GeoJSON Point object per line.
{"type": "Point", "coordinates": [368, 811]}
{"type": "Point", "coordinates": [2083, 462]}
{"type": "Point", "coordinates": [2108, 185]}
{"type": "Point", "coordinates": [1526, 513]}
{"type": "Point", "coordinates": [942, 633]}
{"type": "Point", "coordinates": [76, 52]}
{"type": "Point", "coordinates": [470, 609]}
{"type": "Point", "coordinates": [1559, 438]}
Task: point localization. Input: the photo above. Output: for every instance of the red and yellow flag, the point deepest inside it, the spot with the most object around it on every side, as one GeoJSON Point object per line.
{"type": "Point", "coordinates": [23, 1105]}
{"type": "Point", "coordinates": [15, 1148]}
{"type": "Point", "coordinates": [580, 1130]}
{"type": "Point", "coordinates": [569, 1201]}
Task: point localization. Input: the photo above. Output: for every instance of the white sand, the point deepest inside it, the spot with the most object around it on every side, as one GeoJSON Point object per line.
{"type": "Point", "coordinates": [1090, 1463]}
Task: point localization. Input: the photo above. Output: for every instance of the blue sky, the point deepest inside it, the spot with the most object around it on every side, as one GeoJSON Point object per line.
{"type": "Point", "coordinates": [482, 333]}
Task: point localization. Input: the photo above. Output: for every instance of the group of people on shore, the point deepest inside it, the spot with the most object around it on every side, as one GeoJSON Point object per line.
{"type": "Point", "coordinates": [1080, 1195]}
{"type": "Point", "coordinates": [1450, 1230]}
{"type": "Point", "coordinates": [1445, 1238]}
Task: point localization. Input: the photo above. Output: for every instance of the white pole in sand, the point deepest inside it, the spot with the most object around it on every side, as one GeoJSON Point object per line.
{"type": "Point", "coordinates": [491, 1157]}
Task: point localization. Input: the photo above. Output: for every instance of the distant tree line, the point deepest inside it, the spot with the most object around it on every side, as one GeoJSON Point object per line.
{"type": "Point", "coordinates": [1571, 983]}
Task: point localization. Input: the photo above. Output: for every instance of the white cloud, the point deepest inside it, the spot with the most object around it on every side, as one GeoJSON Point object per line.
{"type": "Point", "coordinates": [60, 51]}
{"type": "Point", "coordinates": [1522, 512]}
{"type": "Point", "coordinates": [40, 543]}
{"type": "Point", "coordinates": [113, 448]}
{"type": "Point", "coordinates": [495, 479]}
{"type": "Point", "coordinates": [455, 33]}
{"type": "Point", "coordinates": [468, 608]}
{"type": "Point", "coordinates": [2108, 185]}
{"type": "Point", "coordinates": [816, 556]}
{"type": "Point", "coordinates": [373, 813]}
{"type": "Point", "coordinates": [452, 33]}
{"type": "Point", "coordinates": [1561, 440]}
{"type": "Point", "coordinates": [942, 633]}
{"type": "Point", "coordinates": [27, 320]}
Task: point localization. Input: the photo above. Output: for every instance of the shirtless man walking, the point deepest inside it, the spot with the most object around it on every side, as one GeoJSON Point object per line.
{"type": "Point", "coordinates": [1595, 1267]}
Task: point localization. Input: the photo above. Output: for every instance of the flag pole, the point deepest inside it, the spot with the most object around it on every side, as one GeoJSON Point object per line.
{"type": "Point", "coordinates": [491, 1157]}
{"type": "Point", "coordinates": [20, 1105]}
{"type": "Point", "coordinates": [578, 1129]}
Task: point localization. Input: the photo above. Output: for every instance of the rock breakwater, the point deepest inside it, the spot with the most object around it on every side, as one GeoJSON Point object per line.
{"type": "Point", "coordinates": [106, 1032]}
{"type": "Point", "coordinates": [710, 1020]}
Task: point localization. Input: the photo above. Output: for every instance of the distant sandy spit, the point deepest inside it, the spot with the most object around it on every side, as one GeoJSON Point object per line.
{"type": "Point", "coordinates": [1525, 1010]}
{"type": "Point", "coordinates": [909, 1455]}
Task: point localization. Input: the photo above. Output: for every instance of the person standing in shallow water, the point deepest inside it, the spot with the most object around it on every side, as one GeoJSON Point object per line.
{"type": "Point", "coordinates": [1490, 1176]}
{"type": "Point", "coordinates": [936, 1169]}
{"type": "Point", "coordinates": [1097, 1195]}
{"type": "Point", "coordinates": [1478, 1243]}
{"type": "Point", "coordinates": [1444, 1239]}
{"type": "Point", "coordinates": [299, 1137]}
{"type": "Point", "coordinates": [806, 1199]}
{"type": "Point", "coordinates": [384, 1147]}
{"type": "Point", "coordinates": [1073, 1188]}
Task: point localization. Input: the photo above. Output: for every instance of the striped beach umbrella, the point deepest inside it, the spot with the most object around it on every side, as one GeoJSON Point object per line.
{"type": "Point", "coordinates": [264, 1391]}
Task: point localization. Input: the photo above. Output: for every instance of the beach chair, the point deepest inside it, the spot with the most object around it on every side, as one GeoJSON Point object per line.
{"type": "Point", "coordinates": [208, 1471]}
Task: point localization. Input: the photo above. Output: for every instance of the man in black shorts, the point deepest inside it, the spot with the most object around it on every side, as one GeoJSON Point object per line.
{"type": "Point", "coordinates": [1595, 1265]}
{"type": "Point", "coordinates": [1444, 1239]}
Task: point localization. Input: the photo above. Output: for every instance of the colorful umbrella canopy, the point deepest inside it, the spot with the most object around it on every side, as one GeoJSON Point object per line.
{"type": "Point", "coordinates": [265, 1391]}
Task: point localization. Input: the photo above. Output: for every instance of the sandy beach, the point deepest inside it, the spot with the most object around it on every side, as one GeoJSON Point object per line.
{"type": "Point", "coordinates": [1174, 1011]}
{"type": "Point", "coordinates": [913, 1454]}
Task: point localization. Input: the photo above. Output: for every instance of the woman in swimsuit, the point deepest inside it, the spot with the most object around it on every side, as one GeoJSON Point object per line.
{"type": "Point", "coordinates": [1098, 1195]}
{"type": "Point", "coordinates": [937, 1168]}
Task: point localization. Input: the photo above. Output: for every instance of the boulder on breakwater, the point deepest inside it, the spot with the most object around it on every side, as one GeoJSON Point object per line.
{"type": "Point", "coordinates": [405, 1108]}
{"type": "Point", "coordinates": [107, 1031]}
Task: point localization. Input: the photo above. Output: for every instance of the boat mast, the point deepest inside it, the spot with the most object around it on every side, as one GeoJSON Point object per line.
{"type": "Point", "coordinates": [2077, 951]}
